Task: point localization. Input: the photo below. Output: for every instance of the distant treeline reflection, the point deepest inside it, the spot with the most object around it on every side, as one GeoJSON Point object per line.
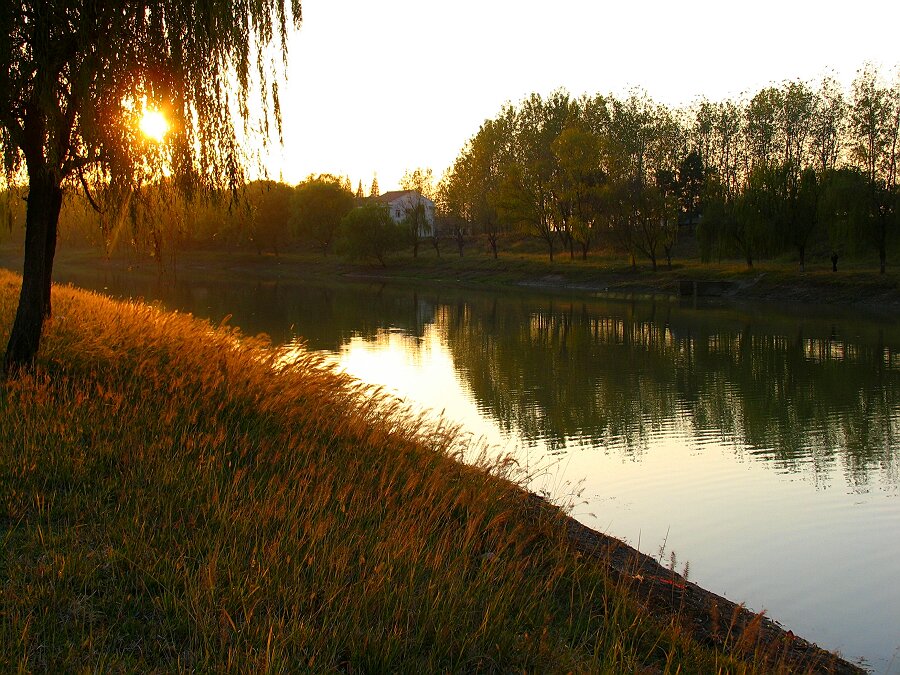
{"type": "Point", "coordinates": [567, 373]}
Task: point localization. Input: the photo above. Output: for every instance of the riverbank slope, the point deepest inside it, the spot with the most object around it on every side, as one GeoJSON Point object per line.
{"type": "Point", "coordinates": [178, 497]}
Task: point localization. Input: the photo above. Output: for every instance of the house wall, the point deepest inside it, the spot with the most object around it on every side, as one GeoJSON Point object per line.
{"type": "Point", "coordinates": [398, 208]}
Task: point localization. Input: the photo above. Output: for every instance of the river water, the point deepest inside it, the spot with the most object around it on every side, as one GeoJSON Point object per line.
{"type": "Point", "coordinates": [755, 447]}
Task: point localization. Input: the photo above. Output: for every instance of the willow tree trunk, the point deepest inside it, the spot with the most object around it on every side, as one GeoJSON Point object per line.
{"type": "Point", "coordinates": [41, 219]}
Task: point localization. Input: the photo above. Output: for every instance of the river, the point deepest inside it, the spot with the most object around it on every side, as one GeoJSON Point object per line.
{"type": "Point", "coordinates": [755, 447]}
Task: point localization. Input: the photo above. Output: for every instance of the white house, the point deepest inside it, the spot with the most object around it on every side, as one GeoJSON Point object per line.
{"type": "Point", "coordinates": [403, 202]}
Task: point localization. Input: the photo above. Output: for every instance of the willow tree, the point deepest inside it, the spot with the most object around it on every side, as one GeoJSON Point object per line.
{"type": "Point", "coordinates": [76, 76]}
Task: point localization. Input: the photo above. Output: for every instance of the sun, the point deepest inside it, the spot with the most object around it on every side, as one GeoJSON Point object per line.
{"type": "Point", "coordinates": [154, 125]}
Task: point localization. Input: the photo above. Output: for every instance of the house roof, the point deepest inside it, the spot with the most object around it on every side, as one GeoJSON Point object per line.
{"type": "Point", "coordinates": [394, 195]}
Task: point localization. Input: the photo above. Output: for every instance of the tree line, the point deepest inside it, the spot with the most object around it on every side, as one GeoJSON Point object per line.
{"type": "Point", "coordinates": [768, 174]}
{"type": "Point", "coordinates": [790, 169]}
{"type": "Point", "coordinates": [321, 214]}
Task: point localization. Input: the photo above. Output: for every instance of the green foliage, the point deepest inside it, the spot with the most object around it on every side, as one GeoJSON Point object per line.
{"type": "Point", "coordinates": [369, 232]}
{"type": "Point", "coordinates": [580, 183]}
{"type": "Point", "coordinates": [758, 212]}
{"type": "Point", "coordinates": [319, 205]}
{"type": "Point", "coordinates": [266, 214]}
{"type": "Point", "coordinates": [875, 144]}
{"type": "Point", "coordinates": [691, 179]}
{"type": "Point", "coordinates": [420, 180]}
{"type": "Point", "coordinates": [718, 218]}
{"type": "Point", "coordinates": [805, 211]}
{"type": "Point", "coordinates": [539, 122]}
{"type": "Point", "coordinates": [416, 219]}
{"type": "Point", "coordinates": [470, 195]}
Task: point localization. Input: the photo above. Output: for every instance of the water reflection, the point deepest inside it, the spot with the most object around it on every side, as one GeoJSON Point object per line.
{"type": "Point", "coordinates": [805, 394]}
{"type": "Point", "coordinates": [567, 373]}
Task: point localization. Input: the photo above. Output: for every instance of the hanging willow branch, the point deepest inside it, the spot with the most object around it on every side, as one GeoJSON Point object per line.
{"type": "Point", "coordinates": [88, 68]}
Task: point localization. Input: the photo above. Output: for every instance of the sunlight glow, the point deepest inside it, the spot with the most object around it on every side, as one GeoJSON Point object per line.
{"type": "Point", "coordinates": [154, 125]}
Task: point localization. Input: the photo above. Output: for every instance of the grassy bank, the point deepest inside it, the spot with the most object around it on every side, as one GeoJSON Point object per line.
{"type": "Point", "coordinates": [173, 497]}
{"type": "Point", "coordinates": [857, 284]}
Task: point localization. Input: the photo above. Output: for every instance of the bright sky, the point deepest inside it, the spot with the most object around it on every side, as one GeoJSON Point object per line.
{"type": "Point", "coordinates": [381, 87]}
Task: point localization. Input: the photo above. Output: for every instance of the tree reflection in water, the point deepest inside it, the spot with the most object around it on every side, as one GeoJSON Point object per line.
{"type": "Point", "coordinates": [613, 376]}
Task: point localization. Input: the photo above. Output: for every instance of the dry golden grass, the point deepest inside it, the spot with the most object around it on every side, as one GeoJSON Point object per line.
{"type": "Point", "coordinates": [175, 498]}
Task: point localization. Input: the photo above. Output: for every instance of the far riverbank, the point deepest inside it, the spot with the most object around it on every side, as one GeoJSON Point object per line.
{"type": "Point", "coordinates": [856, 286]}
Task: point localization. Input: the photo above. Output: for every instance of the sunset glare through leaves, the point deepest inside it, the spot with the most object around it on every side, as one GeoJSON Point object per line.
{"type": "Point", "coordinates": [154, 125]}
